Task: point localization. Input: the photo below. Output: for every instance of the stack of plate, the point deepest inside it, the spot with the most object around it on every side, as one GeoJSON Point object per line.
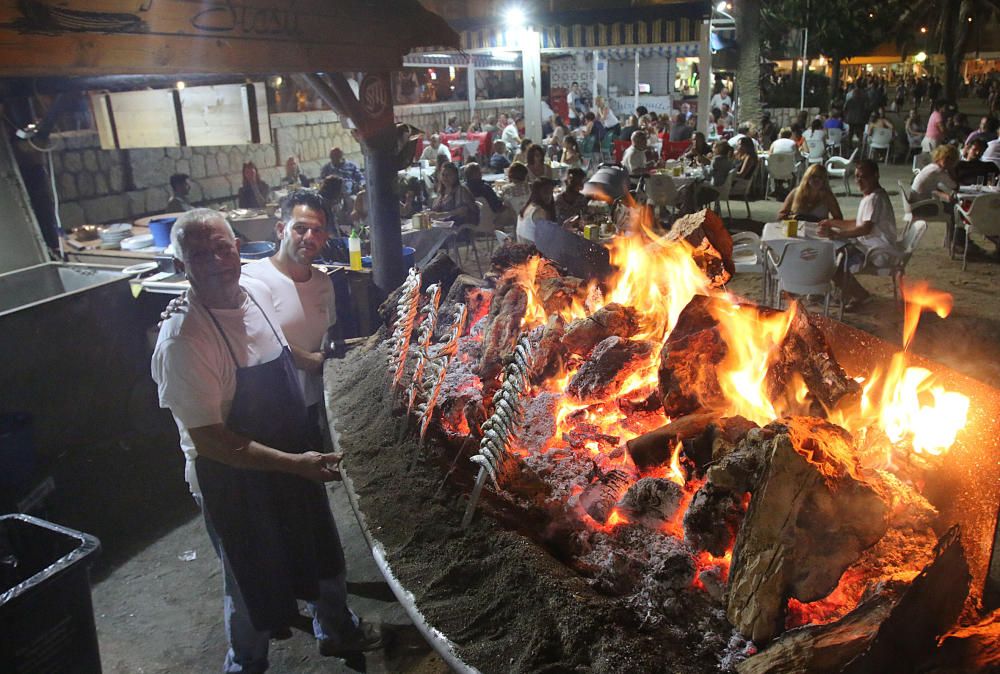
{"type": "Point", "coordinates": [113, 235]}
{"type": "Point", "coordinates": [137, 242]}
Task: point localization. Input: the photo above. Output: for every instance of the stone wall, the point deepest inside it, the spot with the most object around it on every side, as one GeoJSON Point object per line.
{"type": "Point", "coordinates": [785, 116]}
{"type": "Point", "coordinates": [101, 186]}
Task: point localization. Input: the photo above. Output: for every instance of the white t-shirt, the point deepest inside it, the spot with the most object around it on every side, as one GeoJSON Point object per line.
{"type": "Point", "coordinates": [570, 103]}
{"type": "Point", "coordinates": [510, 135]}
{"type": "Point", "coordinates": [634, 160]}
{"type": "Point", "coordinates": [547, 113]}
{"type": "Point", "coordinates": [610, 119]}
{"type": "Point", "coordinates": [718, 101]}
{"type": "Point", "coordinates": [786, 145]}
{"type": "Point", "coordinates": [930, 176]}
{"type": "Point", "coordinates": [194, 372]}
{"type": "Point", "coordinates": [526, 223]}
{"type": "Point", "coordinates": [878, 208]}
{"type": "Point", "coordinates": [992, 152]}
{"type": "Point", "coordinates": [430, 154]}
{"type": "Point", "coordinates": [305, 311]}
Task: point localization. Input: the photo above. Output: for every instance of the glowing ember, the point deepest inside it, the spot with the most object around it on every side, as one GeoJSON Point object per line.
{"type": "Point", "coordinates": [676, 475]}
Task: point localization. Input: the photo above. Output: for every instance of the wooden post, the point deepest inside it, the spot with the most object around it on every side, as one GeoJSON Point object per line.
{"type": "Point", "coordinates": [372, 112]}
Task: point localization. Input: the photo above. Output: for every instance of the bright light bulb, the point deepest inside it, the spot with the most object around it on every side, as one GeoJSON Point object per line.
{"type": "Point", "coordinates": [514, 16]}
{"type": "Point", "coordinates": [180, 85]}
{"type": "Point", "coordinates": [721, 6]}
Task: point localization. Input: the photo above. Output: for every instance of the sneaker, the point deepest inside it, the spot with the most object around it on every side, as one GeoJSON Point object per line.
{"type": "Point", "coordinates": [367, 637]}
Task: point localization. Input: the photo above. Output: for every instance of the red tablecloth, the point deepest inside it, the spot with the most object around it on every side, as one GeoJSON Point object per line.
{"type": "Point", "coordinates": [485, 144]}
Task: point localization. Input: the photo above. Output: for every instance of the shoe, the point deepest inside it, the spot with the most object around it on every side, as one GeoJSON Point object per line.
{"type": "Point", "coordinates": [366, 638]}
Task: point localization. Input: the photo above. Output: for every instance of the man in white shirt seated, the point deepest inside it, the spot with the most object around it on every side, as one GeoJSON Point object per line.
{"type": "Point", "coordinates": [511, 134]}
{"type": "Point", "coordinates": [874, 228]}
{"type": "Point", "coordinates": [634, 160]}
{"type": "Point", "coordinates": [435, 149]}
{"type": "Point", "coordinates": [720, 99]}
{"type": "Point", "coordinates": [224, 369]}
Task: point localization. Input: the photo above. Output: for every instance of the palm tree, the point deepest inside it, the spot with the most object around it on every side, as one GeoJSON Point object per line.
{"type": "Point", "coordinates": [747, 15]}
{"type": "Point", "coordinates": [950, 24]}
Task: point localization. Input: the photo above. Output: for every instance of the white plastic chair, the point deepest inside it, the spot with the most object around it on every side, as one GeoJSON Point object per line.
{"type": "Point", "coordinates": [817, 151]}
{"type": "Point", "coordinates": [880, 140]}
{"type": "Point", "coordinates": [723, 194]}
{"type": "Point", "coordinates": [892, 261]}
{"type": "Point", "coordinates": [838, 167]}
{"type": "Point", "coordinates": [983, 216]}
{"type": "Point", "coordinates": [920, 161]}
{"type": "Point", "coordinates": [780, 166]}
{"type": "Point", "coordinates": [487, 224]}
{"type": "Point", "coordinates": [747, 257]}
{"type": "Point", "coordinates": [805, 268]}
{"type": "Point", "coordinates": [502, 237]}
{"type": "Point", "coordinates": [915, 143]}
{"type": "Point", "coordinates": [835, 139]}
{"type": "Point", "coordinates": [930, 210]}
{"type": "Point", "coordinates": [661, 192]}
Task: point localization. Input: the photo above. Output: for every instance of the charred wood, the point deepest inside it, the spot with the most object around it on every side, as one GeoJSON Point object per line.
{"type": "Point", "coordinates": [609, 365]}
{"type": "Point", "coordinates": [654, 448]}
{"type": "Point", "coordinates": [613, 319]}
{"type": "Point", "coordinates": [711, 243]}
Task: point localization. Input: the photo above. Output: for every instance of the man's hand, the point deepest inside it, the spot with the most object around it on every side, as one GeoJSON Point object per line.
{"type": "Point", "coordinates": [319, 467]}
{"type": "Point", "coordinates": [178, 305]}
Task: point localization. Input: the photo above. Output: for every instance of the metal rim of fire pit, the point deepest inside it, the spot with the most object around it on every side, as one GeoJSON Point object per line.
{"type": "Point", "coordinates": [438, 641]}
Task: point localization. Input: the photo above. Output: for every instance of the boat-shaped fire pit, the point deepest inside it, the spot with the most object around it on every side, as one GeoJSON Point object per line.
{"type": "Point", "coordinates": [647, 474]}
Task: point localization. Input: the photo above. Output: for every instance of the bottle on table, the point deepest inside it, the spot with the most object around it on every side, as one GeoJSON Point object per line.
{"type": "Point", "coordinates": [354, 248]}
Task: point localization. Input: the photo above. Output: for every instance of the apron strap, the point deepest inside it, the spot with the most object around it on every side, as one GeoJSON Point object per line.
{"type": "Point", "coordinates": [225, 339]}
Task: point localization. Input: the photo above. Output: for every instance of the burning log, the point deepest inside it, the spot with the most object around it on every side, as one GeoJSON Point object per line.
{"type": "Point", "coordinates": [558, 293]}
{"type": "Point", "coordinates": [975, 648]}
{"type": "Point", "coordinates": [712, 244]}
{"type": "Point", "coordinates": [609, 365]}
{"type": "Point", "coordinates": [718, 440]}
{"type": "Point", "coordinates": [511, 254]}
{"type": "Point", "coordinates": [713, 519]}
{"type": "Point", "coordinates": [806, 352]}
{"type": "Point", "coordinates": [654, 448]}
{"type": "Point", "coordinates": [600, 497]}
{"type": "Point", "coordinates": [689, 360]}
{"type": "Point", "coordinates": [651, 502]}
{"type": "Point", "coordinates": [811, 516]}
{"type": "Point", "coordinates": [610, 320]}
{"type": "Point", "coordinates": [892, 630]}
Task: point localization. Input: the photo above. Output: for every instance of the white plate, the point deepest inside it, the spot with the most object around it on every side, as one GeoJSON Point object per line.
{"type": "Point", "coordinates": [140, 268]}
{"type": "Point", "coordinates": [137, 242]}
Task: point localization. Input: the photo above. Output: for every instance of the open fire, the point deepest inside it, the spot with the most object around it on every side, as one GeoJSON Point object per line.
{"type": "Point", "coordinates": [679, 440]}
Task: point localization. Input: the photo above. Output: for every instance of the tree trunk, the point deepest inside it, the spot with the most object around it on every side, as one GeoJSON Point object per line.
{"type": "Point", "coordinates": [834, 77]}
{"type": "Point", "coordinates": [747, 15]}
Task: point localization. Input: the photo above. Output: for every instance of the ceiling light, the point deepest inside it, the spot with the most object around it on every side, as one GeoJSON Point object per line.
{"type": "Point", "coordinates": [514, 17]}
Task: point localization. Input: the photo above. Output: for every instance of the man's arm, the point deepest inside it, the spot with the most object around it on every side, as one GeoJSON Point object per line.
{"type": "Point", "coordinates": [845, 229]}
{"type": "Point", "coordinates": [220, 444]}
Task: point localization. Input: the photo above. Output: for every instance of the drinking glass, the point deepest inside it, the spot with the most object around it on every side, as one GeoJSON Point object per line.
{"type": "Point", "coordinates": [979, 180]}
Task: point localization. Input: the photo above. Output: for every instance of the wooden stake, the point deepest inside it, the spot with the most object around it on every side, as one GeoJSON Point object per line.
{"type": "Point", "coordinates": [470, 510]}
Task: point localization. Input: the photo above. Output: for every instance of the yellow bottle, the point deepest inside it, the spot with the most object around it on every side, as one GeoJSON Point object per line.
{"type": "Point", "coordinates": [354, 248]}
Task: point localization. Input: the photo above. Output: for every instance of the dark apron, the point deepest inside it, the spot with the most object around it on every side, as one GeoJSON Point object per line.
{"type": "Point", "coordinates": [276, 530]}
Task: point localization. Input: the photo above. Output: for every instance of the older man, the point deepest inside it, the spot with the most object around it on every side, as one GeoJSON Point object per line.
{"type": "Point", "coordinates": [346, 170]}
{"type": "Point", "coordinates": [434, 150]}
{"type": "Point", "coordinates": [873, 230]}
{"type": "Point", "coordinates": [225, 371]}
{"type": "Point", "coordinates": [634, 160]}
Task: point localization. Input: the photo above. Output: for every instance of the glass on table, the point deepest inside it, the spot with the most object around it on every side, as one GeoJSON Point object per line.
{"type": "Point", "coordinates": [979, 180]}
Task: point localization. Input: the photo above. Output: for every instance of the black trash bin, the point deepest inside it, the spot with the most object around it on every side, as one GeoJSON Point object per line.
{"type": "Point", "coordinates": [46, 616]}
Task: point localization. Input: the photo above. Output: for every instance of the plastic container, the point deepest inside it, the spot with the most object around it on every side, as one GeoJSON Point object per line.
{"type": "Point", "coordinates": [18, 460]}
{"type": "Point", "coordinates": [46, 615]}
{"type": "Point", "coordinates": [409, 258]}
{"type": "Point", "coordinates": [354, 250]}
{"type": "Point", "coordinates": [160, 229]}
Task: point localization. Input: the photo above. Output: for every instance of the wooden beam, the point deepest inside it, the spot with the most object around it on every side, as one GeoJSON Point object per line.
{"type": "Point", "coordinates": [92, 37]}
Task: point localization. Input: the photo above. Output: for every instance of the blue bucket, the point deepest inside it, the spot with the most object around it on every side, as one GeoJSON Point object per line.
{"type": "Point", "coordinates": [160, 229]}
{"type": "Point", "coordinates": [409, 257]}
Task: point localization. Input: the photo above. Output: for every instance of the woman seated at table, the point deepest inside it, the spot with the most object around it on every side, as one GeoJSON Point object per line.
{"type": "Point", "coordinates": [516, 193]}
{"type": "Point", "coordinates": [812, 199]}
{"type": "Point", "coordinates": [721, 166]}
{"type": "Point", "coordinates": [699, 150]}
{"type": "Point", "coordinates": [536, 163]}
{"type": "Point", "coordinates": [937, 181]}
{"type": "Point", "coordinates": [254, 192]}
{"type": "Point", "coordinates": [814, 132]}
{"type": "Point", "coordinates": [541, 206]}
{"type": "Point", "coordinates": [572, 203]}
{"type": "Point", "coordinates": [559, 132]}
{"type": "Point", "coordinates": [454, 201]}
{"type": "Point", "coordinates": [746, 158]}
{"type": "Point", "coordinates": [571, 153]}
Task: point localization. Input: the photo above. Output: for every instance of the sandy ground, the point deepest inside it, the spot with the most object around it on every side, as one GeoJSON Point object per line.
{"type": "Point", "coordinates": [159, 613]}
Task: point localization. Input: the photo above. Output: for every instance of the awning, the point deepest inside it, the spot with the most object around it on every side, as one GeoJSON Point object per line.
{"type": "Point", "coordinates": [655, 25]}
{"type": "Point", "coordinates": [675, 50]}
{"type": "Point", "coordinates": [462, 60]}
{"type": "Point", "coordinates": [72, 38]}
